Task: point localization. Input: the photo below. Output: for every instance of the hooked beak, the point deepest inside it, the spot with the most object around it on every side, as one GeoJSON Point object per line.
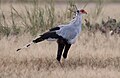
{"type": "Point", "coordinates": [84, 12]}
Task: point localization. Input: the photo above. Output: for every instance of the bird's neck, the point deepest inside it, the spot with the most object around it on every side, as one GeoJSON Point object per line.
{"type": "Point", "coordinates": [77, 21]}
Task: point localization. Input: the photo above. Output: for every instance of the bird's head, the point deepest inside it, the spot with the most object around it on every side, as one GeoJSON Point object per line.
{"type": "Point", "coordinates": [82, 11]}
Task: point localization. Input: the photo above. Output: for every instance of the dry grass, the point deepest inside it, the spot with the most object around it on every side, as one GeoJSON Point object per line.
{"type": "Point", "coordinates": [91, 57]}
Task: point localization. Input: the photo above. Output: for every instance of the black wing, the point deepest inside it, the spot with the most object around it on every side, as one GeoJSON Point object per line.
{"type": "Point", "coordinates": [46, 36]}
{"type": "Point", "coordinates": [55, 28]}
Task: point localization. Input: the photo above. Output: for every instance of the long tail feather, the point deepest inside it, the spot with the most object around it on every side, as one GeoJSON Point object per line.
{"type": "Point", "coordinates": [26, 46]}
{"type": "Point", "coordinates": [45, 36]}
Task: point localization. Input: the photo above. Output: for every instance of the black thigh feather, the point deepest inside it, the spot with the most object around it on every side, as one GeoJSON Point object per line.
{"type": "Point", "coordinates": [67, 47]}
{"type": "Point", "coordinates": [60, 49]}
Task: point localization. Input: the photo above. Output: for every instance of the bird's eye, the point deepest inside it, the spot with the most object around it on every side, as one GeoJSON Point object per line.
{"type": "Point", "coordinates": [78, 11]}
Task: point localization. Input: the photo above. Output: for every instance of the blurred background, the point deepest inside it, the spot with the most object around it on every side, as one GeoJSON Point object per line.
{"type": "Point", "coordinates": [57, 0]}
{"type": "Point", "coordinates": [36, 16]}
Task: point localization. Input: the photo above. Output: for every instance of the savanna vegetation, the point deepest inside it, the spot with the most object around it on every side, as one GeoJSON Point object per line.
{"type": "Point", "coordinates": [96, 54]}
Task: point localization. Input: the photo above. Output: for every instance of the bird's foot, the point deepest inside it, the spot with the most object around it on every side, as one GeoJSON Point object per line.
{"type": "Point", "coordinates": [58, 63]}
{"type": "Point", "coordinates": [63, 60]}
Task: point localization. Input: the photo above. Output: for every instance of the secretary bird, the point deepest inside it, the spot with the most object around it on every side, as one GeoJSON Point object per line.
{"type": "Point", "coordinates": [64, 34]}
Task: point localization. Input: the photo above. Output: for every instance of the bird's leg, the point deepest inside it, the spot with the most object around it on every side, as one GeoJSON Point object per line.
{"type": "Point", "coordinates": [67, 47]}
{"type": "Point", "coordinates": [60, 49]}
